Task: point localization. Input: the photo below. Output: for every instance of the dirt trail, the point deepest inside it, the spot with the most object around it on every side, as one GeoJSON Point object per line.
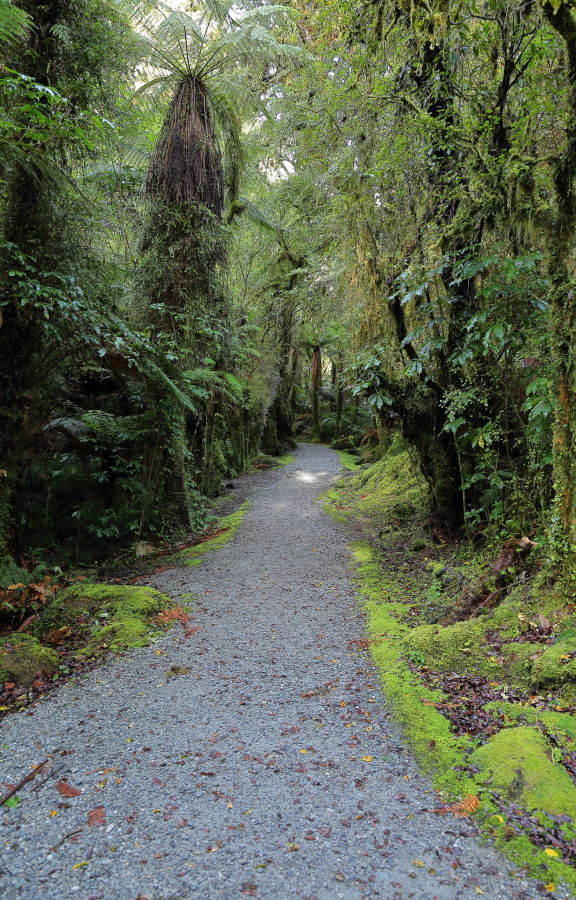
{"type": "Point", "coordinates": [271, 769]}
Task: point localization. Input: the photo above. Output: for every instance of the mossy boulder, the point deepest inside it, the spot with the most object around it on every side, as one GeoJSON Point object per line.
{"type": "Point", "coordinates": [561, 725]}
{"type": "Point", "coordinates": [22, 657]}
{"type": "Point", "coordinates": [119, 615]}
{"type": "Point", "coordinates": [452, 648]}
{"type": "Point", "coordinates": [517, 762]}
{"type": "Point", "coordinates": [556, 665]}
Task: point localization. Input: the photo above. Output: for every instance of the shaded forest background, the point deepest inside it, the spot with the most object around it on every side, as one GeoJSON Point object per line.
{"type": "Point", "coordinates": [224, 228]}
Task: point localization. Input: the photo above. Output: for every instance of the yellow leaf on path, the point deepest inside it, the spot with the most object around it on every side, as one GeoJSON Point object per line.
{"type": "Point", "coordinates": [303, 751]}
{"type": "Point", "coordinates": [418, 862]}
{"type": "Point", "coordinates": [549, 851]}
{"type": "Point", "coordinates": [367, 758]}
{"type": "Point", "coordinates": [478, 890]}
{"type": "Point", "coordinates": [550, 887]}
{"type": "Point", "coordinates": [53, 812]}
{"type": "Point", "coordinates": [80, 864]}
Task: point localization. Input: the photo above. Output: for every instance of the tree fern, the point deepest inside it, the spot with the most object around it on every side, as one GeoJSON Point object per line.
{"type": "Point", "coordinates": [13, 23]}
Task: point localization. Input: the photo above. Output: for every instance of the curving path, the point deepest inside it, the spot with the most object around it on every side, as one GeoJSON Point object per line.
{"type": "Point", "coordinates": [271, 769]}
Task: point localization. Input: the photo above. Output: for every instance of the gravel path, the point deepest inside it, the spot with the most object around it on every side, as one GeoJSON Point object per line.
{"type": "Point", "coordinates": [271, 769]}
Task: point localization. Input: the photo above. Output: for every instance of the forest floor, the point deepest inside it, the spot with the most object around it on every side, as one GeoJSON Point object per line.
{"type": "Point", "coordinates": [247, 754]}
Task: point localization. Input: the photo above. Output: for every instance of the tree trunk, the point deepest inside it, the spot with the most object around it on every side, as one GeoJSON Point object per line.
{"type": "Point", "coordinates": [561, 244]}
{"type": "Point", "coordinates": [315, 381]}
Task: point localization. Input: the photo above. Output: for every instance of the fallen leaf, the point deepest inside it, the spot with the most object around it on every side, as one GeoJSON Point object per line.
{"type": "Point", "coordinates": [419, 863]}
{"type": "Point", "coordinates": [465, 807]}
{"type": "Point", "coordinates": [549, 851]}
{"type": "Point", "coordinates": [67, 790]}
{"type": "Point", "coordinates": [96, 816]}
{"type": "Point", "coordinates": [550, 887]}
{"type": "Point", "coordinates": [367, 758]}
{"type": "Point", "coordinates": [80, 864]}
{"type": "Point", "coordinates": [291, 846]}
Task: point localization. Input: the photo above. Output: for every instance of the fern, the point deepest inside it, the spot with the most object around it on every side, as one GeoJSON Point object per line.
{"type": "Point", "coordinates": [14, 23]}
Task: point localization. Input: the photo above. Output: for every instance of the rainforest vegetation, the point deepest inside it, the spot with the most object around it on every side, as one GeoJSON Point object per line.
{"type": "Point", "coordinates": [225, 229]}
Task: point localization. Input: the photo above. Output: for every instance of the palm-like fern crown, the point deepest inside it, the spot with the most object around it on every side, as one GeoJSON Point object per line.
{"type": "Point", "coordinates": [203, 53]}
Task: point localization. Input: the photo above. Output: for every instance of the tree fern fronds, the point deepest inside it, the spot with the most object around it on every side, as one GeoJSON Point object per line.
{"type": "Point", "coordinates": [266, 12]}
{"type": "Point", "coordinates": [259, 217]}
{"type": "Point", "coordinates": [216, 9]}
{"type": "Point", "coordinates": [13, 23]}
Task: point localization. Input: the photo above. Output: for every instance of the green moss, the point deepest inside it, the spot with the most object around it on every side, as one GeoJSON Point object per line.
{"type": "Point", "coordinates": [555, 666]}
{"type": "Point", "coordinates": [438, 751]}
{"type": "Point", "coordinates": [463, 648]}
{"type": "Point", "coordinates": [443, 755]}
{"type": "Point", "coordinates": [389, 497]}
{"type": "Point", "coordinates": [379, 496]}
{"type": "Point", "coordinates": [348, 461]}
{"type": "Point", "coordinates": [22, 657]}
{"type": "Point", "coordinates": [284, 460]}
{"type": "Point", "coordinates": [517, 763]}
{"type": "Point", "coordinates": [561, 725]}
{"type": "Point", "coordinates": [226, 529]}
{"type": "Point", "coordinates": [123, 613]}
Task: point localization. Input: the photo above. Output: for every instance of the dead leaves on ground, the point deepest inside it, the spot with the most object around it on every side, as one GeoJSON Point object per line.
{"type": "Point", "coordinates": [67, 790]}
{"type": "Point", "coordinates": [465, 807]}
{"type": "Point", "coordinates": [96, 816]}
{"type": "Point", "coordinates": [176, 614]}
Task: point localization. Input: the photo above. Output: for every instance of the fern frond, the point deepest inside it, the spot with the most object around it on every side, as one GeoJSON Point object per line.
{"type": "Point", "coordinates": [14, 23]}
{"type": "Point", "coordinates": [267, 12]}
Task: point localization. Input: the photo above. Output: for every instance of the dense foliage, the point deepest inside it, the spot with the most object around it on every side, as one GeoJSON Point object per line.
{"type": "Point", "coordinates": [223, 227]}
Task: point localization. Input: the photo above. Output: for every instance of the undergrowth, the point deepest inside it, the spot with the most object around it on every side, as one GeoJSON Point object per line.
{"type": "Point", "coordinates": [85, 621]}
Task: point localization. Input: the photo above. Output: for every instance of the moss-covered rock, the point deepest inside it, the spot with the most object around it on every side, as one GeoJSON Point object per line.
{"type": "Point", "coordinates": [518, 764]}
{"type": "Point", "coordinates": [119, 615]}
{"type": "Point", "coordinates": [22, 657]}
{"type": "Point", "coordinates": [561, 725]}
{"type": "Point", "coordinates": [556, 665]}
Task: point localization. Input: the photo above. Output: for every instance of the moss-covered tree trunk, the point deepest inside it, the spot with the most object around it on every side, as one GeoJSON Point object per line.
{"type": "Point", "coordinates": [561, 269]}
{"type": "Point", "coordinates": [180, 283]}
{"type": "Point", "coordinates": [31, 225]}
{"type": "Point", "coordinates": [315, 382]}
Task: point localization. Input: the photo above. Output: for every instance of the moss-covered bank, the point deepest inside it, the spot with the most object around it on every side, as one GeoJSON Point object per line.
{"type": "Point", "coordinates": [523, 645]}
{"type": "Point", "coordinates": [116, 617]}
{"type": "Point", "coordinates": [224, 532]}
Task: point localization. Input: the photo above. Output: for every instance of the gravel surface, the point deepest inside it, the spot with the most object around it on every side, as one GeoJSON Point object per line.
{"type": "Point", "coordinates": [270, 769]}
